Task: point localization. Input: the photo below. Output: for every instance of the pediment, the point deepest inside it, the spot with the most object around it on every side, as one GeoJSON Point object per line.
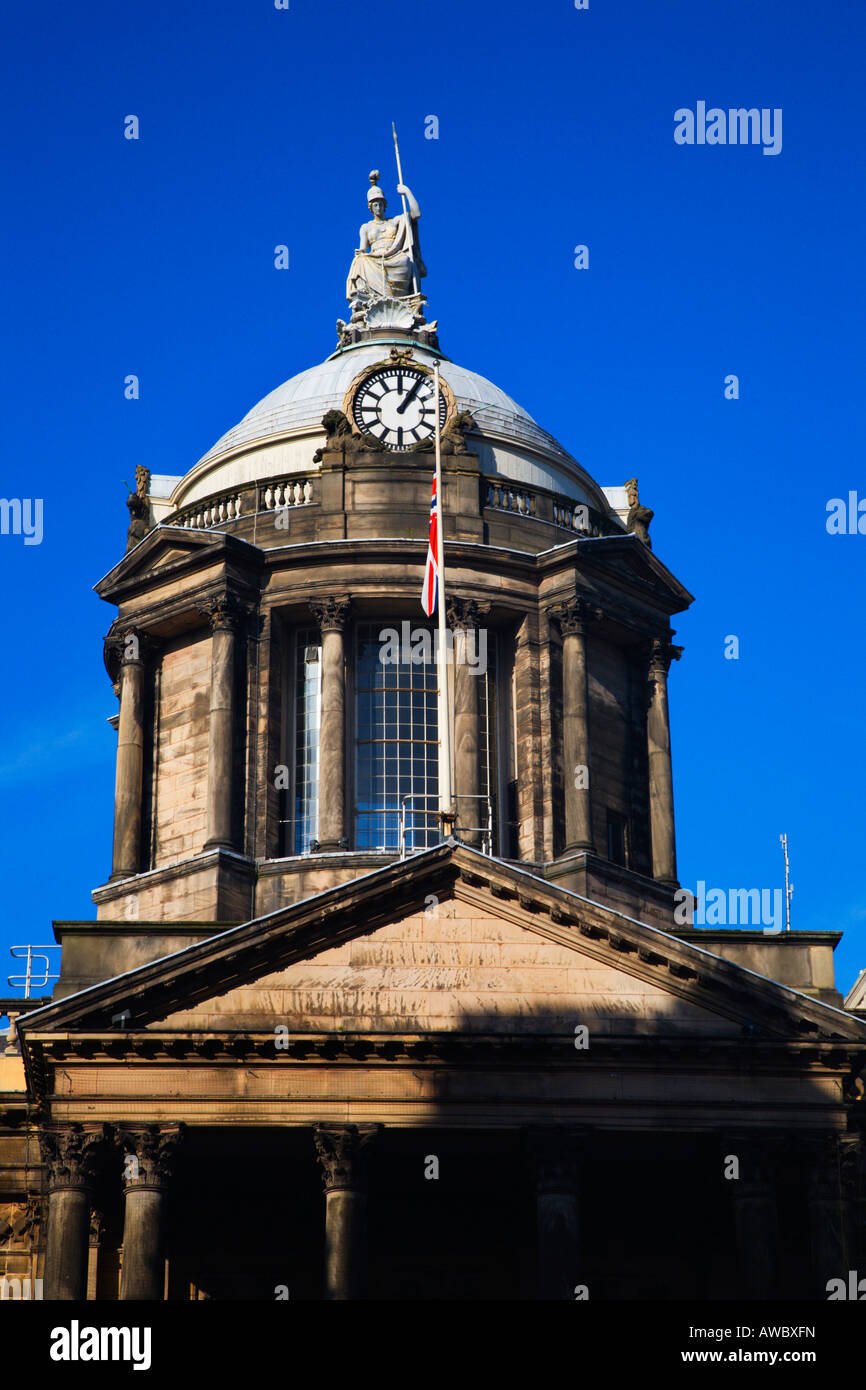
{"type": "Point", "coordinates": [449, 940]}
{"type": "Point", "coordinates": [170, 547]}
{"type": "Point", "coordinates": [454, 966]}
{"type": "Point", "coordinates": [632, 561]}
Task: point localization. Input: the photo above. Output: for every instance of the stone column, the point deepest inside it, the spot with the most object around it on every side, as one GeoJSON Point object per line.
{"type": "Point", "coordinates": [341, 1153]}
{"type": "Point", "coordinates": [149, 1154]}
{"type": "Point", "coordinates": [755, 1214]}
{"type": "Point", "coordinates": [73, 1158]}
{"type": "Point", "coordinates": [661, 785]}
{"type": "Point", "coordinates": [572, 618]}
{"type": "Point", "coordinates": [224, 615]}
{"type": "Point", "coordinates": [830, 1159]}
{"type": "Point", "coordinates": [332, 614]}
{"type": "Point", "coordinates": [126, 859]}
{"type": "Point", "coordinates": [556, 1154]}
{"type": "Point", "coordinates": [463, 619]}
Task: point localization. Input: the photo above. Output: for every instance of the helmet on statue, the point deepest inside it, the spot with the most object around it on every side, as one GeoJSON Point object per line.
{"type": "Point", "coordinates": [374, 192]}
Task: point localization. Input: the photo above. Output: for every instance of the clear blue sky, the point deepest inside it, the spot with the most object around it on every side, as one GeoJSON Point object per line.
{"type": "Point", "coordinates": [259, 127]}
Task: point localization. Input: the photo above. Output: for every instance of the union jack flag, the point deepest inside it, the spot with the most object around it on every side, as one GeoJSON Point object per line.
{"type": "Point", "coordinates": [431, 572]}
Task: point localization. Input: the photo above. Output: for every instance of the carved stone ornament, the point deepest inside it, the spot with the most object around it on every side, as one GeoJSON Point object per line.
{"type": "Point", "coordinates": [223, 612]}
{"type": "Point", "coordinates": [572, 615]}
{"type": "Point", "coordinates": [639, 518]}
{"type": "Point", "coordinates": [452, 439]}
{"type": "Point", "coordinates": [149, 1153]}
{"type": "Point", "coordinates": [341, 438]}
{"type": "Point", "coordinates": [73, 1156]}
{"type": "Point", "coordinates": [465, 613]}
{"type": "Point", "coordinates": [18, 1219]}
{"type": "Point", "coordinates": [662, 653]}
{"type": "Point", "coordinates": [340, 1150]}
{"type": "Point", "coordinates": [331, 613]}
{"type": "Point", "coordinates": [138, 502]}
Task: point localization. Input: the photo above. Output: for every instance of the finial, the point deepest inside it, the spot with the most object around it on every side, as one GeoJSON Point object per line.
{"type": "Point", "coordinates": [374, 176]}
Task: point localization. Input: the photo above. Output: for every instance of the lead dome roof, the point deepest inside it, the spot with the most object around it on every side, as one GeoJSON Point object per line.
{"type": "Point", "coordinates": [303, 400]}
{"type": "Point", "coordinates": [279, 435]}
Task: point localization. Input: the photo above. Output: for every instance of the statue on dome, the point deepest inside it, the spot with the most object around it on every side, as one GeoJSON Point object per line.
{"type": "Point", "coordinates": [383, 285]}
{"type": "Point", "coordinates": [387, 264]}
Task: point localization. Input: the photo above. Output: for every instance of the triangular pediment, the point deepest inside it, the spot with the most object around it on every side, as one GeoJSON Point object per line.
{"type": "Point", "coordinates": [456, 965]}
{"type": "Point", "coordinates": [449, 940]}
{"type": "Point", "coordinates": [171, 549]}
{"type": "Point", "coordinates": [632, 561]}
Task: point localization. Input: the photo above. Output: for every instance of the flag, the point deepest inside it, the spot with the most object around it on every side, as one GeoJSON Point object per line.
{"type": "Point", "coordinates": [431, 571]}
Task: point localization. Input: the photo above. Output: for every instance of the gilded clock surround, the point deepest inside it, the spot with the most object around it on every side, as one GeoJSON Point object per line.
{"type": "Point", "coordinates": [399, 358]}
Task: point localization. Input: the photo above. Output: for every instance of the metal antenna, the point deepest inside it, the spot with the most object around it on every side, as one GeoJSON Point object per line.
{"type": "Point", "coordinates": [789, 887]}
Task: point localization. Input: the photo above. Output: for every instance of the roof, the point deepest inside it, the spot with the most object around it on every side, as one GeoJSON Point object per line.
{"type": "Point", "coordinates": [301, 401]}
{"type": "Point", "coordinates": [303, 929]}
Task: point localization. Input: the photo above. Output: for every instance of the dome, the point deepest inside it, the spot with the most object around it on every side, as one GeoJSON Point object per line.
{"type": "Point", "coordinates": [281, 433]}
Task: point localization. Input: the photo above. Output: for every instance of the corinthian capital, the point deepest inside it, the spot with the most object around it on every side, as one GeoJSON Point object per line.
{"type": "Point", "coordinates": [125, 646]}
{"type": "Point", "coordinates": [223, 611]}
{"type": "Point", "coordinates": [331, 613]}
{"type": "Point", "coordinates": [662, 653]}
{"type": "Point", "coordinates": [149, 1154]}
{"type": "Point", "coordinates": [573, 615]}
{"type": "Point", "coordinates": [465, 613]}
{"type": "Point", "coordinates": [340, 1150]}
{"type": "Point", "coordinates": [73, 1155]}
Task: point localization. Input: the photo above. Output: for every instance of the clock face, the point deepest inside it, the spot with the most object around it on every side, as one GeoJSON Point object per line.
{"type": "Point", "coordinates": [396, 405]}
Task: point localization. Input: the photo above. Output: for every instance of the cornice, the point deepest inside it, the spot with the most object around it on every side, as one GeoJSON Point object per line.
{"type": "Point", "coordinates": [694, 1053]}
{"type": "Point", "coordinates": [204, 548]}
{"type": "Point", "coordinates": [299, 931]}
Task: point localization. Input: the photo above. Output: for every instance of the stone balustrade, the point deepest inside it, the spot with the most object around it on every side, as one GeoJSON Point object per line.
{"type": "Point", "coordinates": [297, 492]}
{"type": "Point", "coordinates": [270, 496]}
{"type": "Point", "coordinates": [510, 498]}
{"type": "Point", "coordinates": [543, 505]}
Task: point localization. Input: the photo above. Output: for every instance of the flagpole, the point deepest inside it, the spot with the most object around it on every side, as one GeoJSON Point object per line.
{"type": "Point", "coordinates": [445, 807]}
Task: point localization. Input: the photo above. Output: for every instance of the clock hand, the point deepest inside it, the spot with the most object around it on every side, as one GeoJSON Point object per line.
{"type": "Point", "coordinates": [411, 396]}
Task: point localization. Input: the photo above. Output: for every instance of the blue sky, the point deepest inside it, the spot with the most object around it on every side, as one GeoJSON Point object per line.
{"type": "Point", "coordinates": [556, 128]}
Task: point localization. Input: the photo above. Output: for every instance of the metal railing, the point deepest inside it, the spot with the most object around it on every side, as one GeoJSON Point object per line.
{"type": "Point", "coordinates": [485, 831]}
{"type": "Point", "coordinates": [409, 797]}
{"type": "Point", "coordinates": [29, 954]}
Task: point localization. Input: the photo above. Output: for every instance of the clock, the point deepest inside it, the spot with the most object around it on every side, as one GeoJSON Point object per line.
{"type": "Point", "coordinates": [396, 404]}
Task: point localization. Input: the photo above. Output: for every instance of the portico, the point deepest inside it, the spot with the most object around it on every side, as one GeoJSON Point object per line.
{"type": "Point", "coordinates": [469, 1065]}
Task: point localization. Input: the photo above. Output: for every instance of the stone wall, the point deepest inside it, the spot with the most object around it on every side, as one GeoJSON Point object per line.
{"type": "Point", "coordinates": [455, 968]}
{"type": "Point", "coordinates": [180, 801]}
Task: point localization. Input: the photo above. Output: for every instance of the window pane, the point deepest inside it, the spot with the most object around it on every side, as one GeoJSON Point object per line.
{"type": "Point", "coordinates": [397, 749]}
{"type": "Point", "coordinates": [397, 752]}
{"type": "Point", "coordinates": [308, 706]}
